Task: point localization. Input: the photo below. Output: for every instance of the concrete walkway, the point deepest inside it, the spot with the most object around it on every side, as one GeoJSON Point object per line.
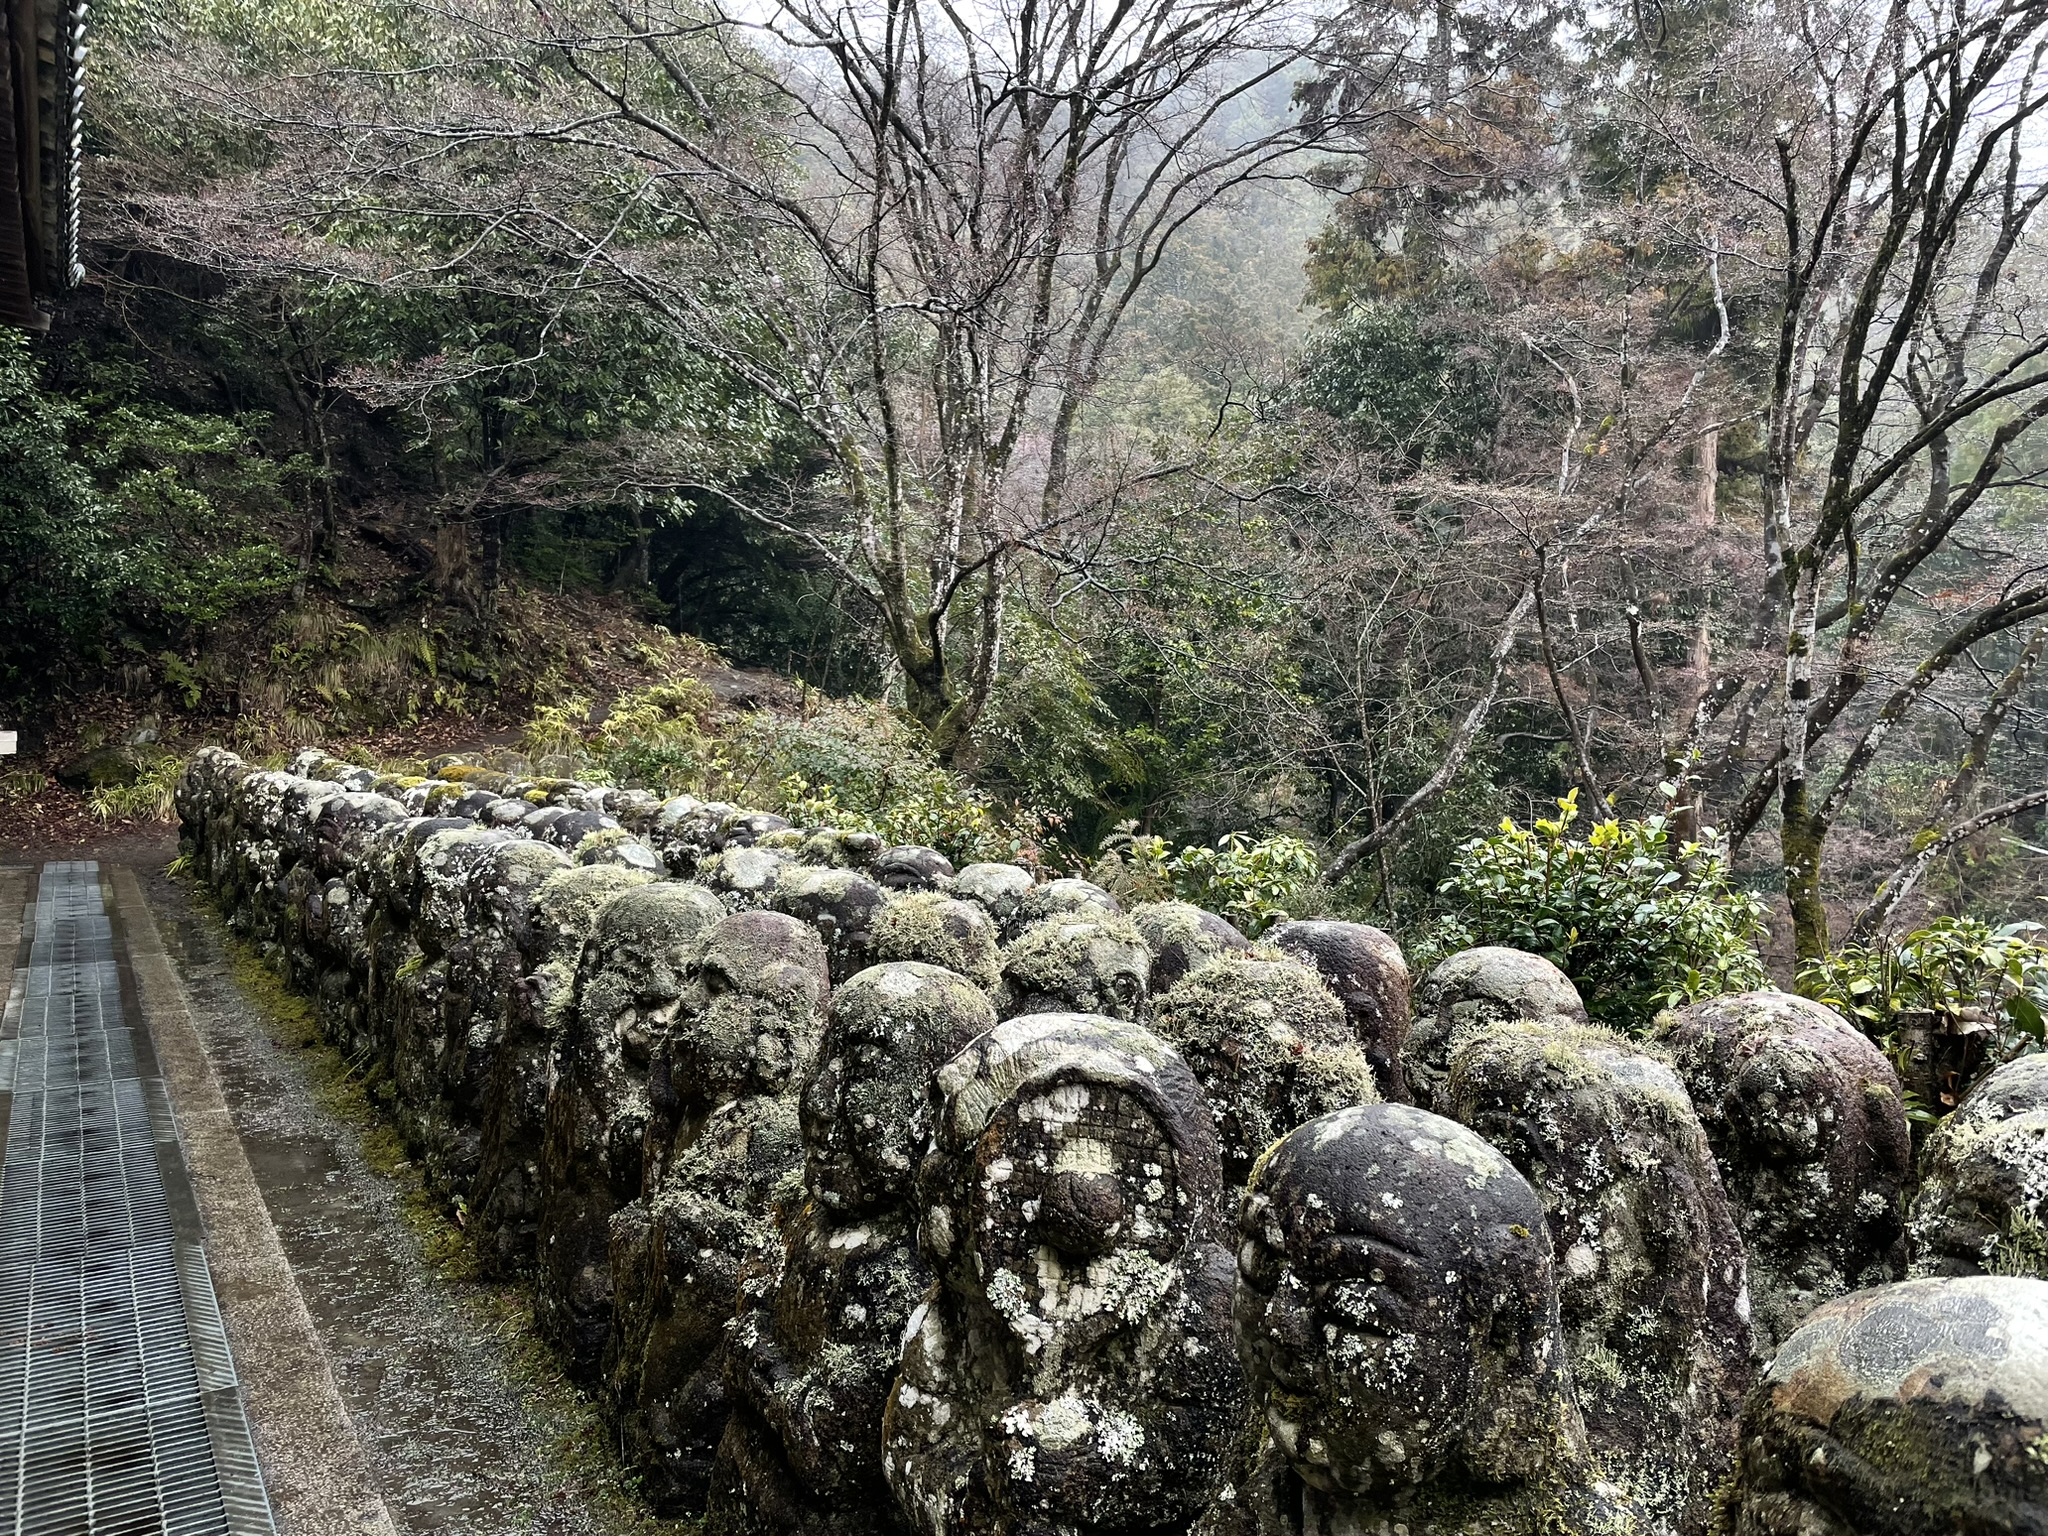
{"type": "Point", "coordinates": [120, 1410]}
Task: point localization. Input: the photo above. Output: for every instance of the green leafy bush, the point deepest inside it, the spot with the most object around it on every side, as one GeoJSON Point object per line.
{"type": "Point", "coordinates": [1636, 922]}
{"type": "Point", "coordinates": [1253, 883]}
{"type": "Point", "coordinates": [1947, 1002]}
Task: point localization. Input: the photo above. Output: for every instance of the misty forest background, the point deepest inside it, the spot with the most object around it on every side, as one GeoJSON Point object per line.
{"type": "Point", "coordinates": [1534, 473]}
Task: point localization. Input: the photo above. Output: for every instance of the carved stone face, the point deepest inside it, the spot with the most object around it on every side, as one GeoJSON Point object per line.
{"type": "Point", "coordinates": [1807, 1120]}
{"type": "Point", "coordinates": [866, 1105]}
{"type": "Point", "coordinates": [751, 1007]}
{"type": "Point", "coordinates": [912, 867]}
{"type": "Point", "coordinates": [1095, 963]}
{"type": "Point", "coordinates": [1395, 1306]}
{"type": "Point", "coordinates": [1907, 1408]}
{"type": "Point", "coordinates": [1270, 1046]}
{"type": "Point", "coordinates": [999, 888]}
{"type": "Point", "coordinates": [643, 948]}
{"type": "Point", "coordinates": [841, 904]}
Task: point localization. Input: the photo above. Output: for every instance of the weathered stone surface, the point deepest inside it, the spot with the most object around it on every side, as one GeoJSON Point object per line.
{"type": "Point", "coordinates": [841, 904]}
{"type": "Point", "coordinates": [1000, 888]}
{"type": "Point", "coordinates": [1982, 1205]}
{"type": "Point", "coordinates": [629, 990]}
{"type": "Point", "coordinates": [1396, 1312]}
{"type": "Point", "coordinates": [1908, 1410]}
{"type": "Point", "coordinates": [505, 1200]}
{"type": "Point", "coordinates": [1269, 1044]}
{"type": "Point", "coordinates": [743, 877]}
{"type": "Point", "coordinates": [1070, 1369]}
{"type": "Point", "coordinates": [811, 1367]}
{"type": "Point", "coordinates": [1367, 971]}
{"type": "Point", "coordinates": [1807, 1122]}
{"type": "Point", "coordinates": [912, 867]}
{"type": "Point", "coordinates": [1183, 937]}
{"type": "Point", "coordinates": [1472, 991]}
{"type": "Point", "coordinates": [940, 930]}
{"type": "Point", "coordinates": [1091, 962]}
{"type": "Point", "coordinates": [1062, 898]}
{"type": "Point", "coordinates": [722, 1152]}
{"type": "Point", "coordinates": [1651, 1274]}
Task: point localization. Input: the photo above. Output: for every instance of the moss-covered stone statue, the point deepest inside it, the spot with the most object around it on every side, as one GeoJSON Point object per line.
{"type": "Point", "coordinates": [842, 904]}
{"type": "Point", "coordinates": [1397, 1316]}
{"type": "Point", "coordinates": [505, 1200]}
{"type": "Point", "coordinates": [1472, 991]}
{"type": "Point", "coordinates": [1085, 962]}
{"type": "Point", "coordinates": [1808, 1123]}
{"type": "Point", "coordinates": [1183, 937]}
{"type": "Point", "coordinates": [1918, 1409]}
{"type": "Point", "coordinates": [810, 1367]}
{"type": "Point", "coordinates": [936, 929]}
{"type": "Point", "coordinates": [1650, 1270]}
{"type": "Point", "coordinates": [997, 888]}
{"type": "Point", "coordinates": [629, 990]}
{"type": "Point", "coordinates": [1070, 1369]}
{"type": "Point", "coordinates": [1063, 898]}
{"type": "Point", "coordinates": [1982, 1205]}
{"type": "Point", "coordinates": [1367, 971]}
{"type": "Point", "coordinates": [723, 1154]}
{"type": "Point", "coordinates": [1269, 1044]}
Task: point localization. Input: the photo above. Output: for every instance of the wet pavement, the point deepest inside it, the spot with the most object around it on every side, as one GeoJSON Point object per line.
{"type": "Point", "coordinates": [462, 1432]}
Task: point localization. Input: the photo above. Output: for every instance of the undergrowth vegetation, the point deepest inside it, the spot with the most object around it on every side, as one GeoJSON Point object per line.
{"type": "Point", "coordinates": [1639, 919]}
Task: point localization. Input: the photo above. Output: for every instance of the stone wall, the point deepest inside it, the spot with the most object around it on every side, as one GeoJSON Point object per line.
{"type": "Point", "coordinates": [871, 1195]}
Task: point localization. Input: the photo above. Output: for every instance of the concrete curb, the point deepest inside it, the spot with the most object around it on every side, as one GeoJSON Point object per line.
{"type": "Point", "coordinates": [313, 1465]}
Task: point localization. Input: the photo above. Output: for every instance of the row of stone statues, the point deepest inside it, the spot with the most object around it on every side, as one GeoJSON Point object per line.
{"type": "Point", "coordinates": [871, 1195]}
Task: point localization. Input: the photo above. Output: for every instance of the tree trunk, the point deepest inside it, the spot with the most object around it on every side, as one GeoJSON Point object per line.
{"type": "Point", "coordinates": [1802, 840]}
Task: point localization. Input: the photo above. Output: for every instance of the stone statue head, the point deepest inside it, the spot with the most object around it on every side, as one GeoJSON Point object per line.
{"type": "Point", "coordinates": [1092, 962]}
{"type": "Point", "coordinates": [999, 888]}
{"type": "Point", "coordinates": [751, 1008]}
{"type": "Point", "coordinates": [636, 974]}
{"type": "Point", "coordinates": [1807, 1120]}
{"type": "Point", "coordinates": [1270, 1047]}
{"type": "Point", "coordinates": [841, 904]}
{"type": "Point", "coordinates": [866, 1104]}
{"type": "Point", "coordinates": [1367, 971]}
{"type": "Point", "coordinates": [1182, 938]}
{"type": "Point", "coordinates": [1909, 1408]}
{"type": "Point", "coordinates": [1396, 1308]}
{"type": "Point", "coordinates": [1473, 990]}
{"type": "Point", "coordinates": [940, 930]}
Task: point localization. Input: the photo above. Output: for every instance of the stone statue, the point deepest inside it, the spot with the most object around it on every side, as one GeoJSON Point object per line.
{"type": "Point", "coordinates": [811, 1366]}
{"type": "Point", "coordinates": [629, 990]}
{"type": "Point", "coordinates": [1063, 898]}
{"type": "Point", "coordinates": [939, 930]}
{"type": "Point", "coordinates": [1907, 1410]}
{"type": "Point", "coordinates": [1474, 990]}
{"type": "Point", "coordinates": [842, 904]}
{"type": "Point", "coordinates": [1182, 937]}
{"type": "Point", "coordinates": [1070, 1369]}
{"type": "Point", "coordinates": [1807, 1121]}
{"type": "Point", "coordinates": [1270, 1047]}
{"type": "Point", "coordinates": [1366, 970]}
{"type": "Point", "coordinates": [723, 1153]}
{"type": "Point", "coordinates": [1397, 1318]}
{"type": "Point", "coordinates": [504, 1202]}
{"type": "Point", "coordinates": [999, 888]}
{"type": "Point", "coordinates": [912, 867]}
{"type": "Point", "coordinates": [1651, 1276]}
{"type": "Point", "coordinates": [1982, 1205]}
{"type": "Point", "coordinates": [1091, 962]}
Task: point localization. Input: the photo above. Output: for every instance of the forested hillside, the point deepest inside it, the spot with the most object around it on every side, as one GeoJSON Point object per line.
{"type": "Point", "coordinates": [1260, 456]}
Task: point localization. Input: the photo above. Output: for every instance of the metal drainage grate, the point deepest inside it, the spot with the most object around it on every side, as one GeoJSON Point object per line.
{"type": "Point", "coordinates": [119, 1409]}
